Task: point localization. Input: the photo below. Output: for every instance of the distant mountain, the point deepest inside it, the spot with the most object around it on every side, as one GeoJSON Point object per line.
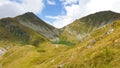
{"type": "Point", "coordinates": [27, 29]}
{"type": "Point", "coordinates": [81, 28]}
{"type": "Point", "coordinates": [74, 32]}
{"type": "Point", "coordinates": [30, 20]}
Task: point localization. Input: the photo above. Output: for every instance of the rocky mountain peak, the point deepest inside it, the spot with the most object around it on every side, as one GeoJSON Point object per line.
{"type": "Point", "coordinates": [30, 20]}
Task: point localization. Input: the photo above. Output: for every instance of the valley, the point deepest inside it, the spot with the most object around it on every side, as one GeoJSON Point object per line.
{"type": "Point", "coordinates": [89, 42]}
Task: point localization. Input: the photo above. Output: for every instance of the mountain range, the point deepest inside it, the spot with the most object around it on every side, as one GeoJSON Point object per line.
{"type": "Point", "coordinates": [89, 42]}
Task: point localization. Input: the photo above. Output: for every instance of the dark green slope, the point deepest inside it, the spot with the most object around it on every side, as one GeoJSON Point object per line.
{"type": "Point", "coordinates": [100, 18]}
{"type": "Point", "coordinates": [11, 30]}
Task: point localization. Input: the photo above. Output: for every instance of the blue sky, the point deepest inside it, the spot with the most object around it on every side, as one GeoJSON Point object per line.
{"type": "Point", "coordinates": [51, 10]}
{"type": "Point", "coordinates": [58, 13]}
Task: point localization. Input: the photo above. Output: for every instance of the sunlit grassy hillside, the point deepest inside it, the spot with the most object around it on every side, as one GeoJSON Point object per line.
{"type": "Point", "coordinates": [100, 49]}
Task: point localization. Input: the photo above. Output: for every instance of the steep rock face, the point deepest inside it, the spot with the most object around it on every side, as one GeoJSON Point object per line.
{"type": "Point", "coordinates": [81, 28]}
{"type": "Point", "coordinates": [32, 21]}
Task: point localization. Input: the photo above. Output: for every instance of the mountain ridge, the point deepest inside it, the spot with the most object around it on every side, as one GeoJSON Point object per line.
{"type": "Point", "coordinates": [80, 28]}
{"type": "Point", "coordinates": [30, 20]}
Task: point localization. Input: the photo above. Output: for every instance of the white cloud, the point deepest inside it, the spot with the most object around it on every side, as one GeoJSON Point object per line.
{"type": "Point", "coordinates": [65, 2]}
{"type": "Point", "coordinates": [54, 17]}
{"type": "Point", "coordinates": [51, 2]}
{"type": "Point", "coordinates": [71, 15]}
{"type": "Point", "coordinates": [73, 11]}
{"type": "Point", "coordinates": [102, 5]}
{"type": "Point", "coordinates": [12, 8]}
{"type": "Point", "coordinates": [85, 7]}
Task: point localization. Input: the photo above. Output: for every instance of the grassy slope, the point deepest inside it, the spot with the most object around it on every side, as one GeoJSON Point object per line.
{"type": "Point", "coordinates": [80, 28]}
{"type": "Point", "coordinates": [101, 49]}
